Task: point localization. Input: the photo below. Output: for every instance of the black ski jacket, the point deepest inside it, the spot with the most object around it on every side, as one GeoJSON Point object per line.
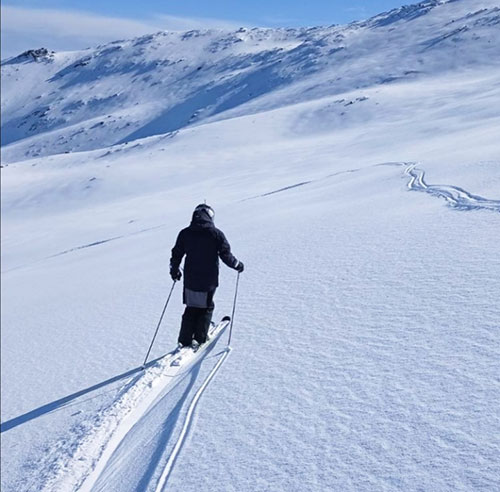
{"type": "Point", "coordinates": [203, 244]}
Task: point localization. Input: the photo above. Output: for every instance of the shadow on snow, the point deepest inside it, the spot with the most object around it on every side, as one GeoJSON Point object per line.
{"type": "Point", "coordinates": [63, 402]}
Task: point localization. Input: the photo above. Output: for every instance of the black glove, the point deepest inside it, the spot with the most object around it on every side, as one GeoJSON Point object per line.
{"type": "Point", "coordinates": [175, 274]}
{"type": "Point", "coordinates": [239, 267]}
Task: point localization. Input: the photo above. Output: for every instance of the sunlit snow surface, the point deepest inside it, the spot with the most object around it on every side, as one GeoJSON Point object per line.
{"type": "Point", "coordinates": [361, 188]}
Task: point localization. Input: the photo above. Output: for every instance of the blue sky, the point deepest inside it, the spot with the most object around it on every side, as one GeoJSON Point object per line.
{"type": "Point", "coordinates": [69, 25]}
{"type": "Point", "coordinates": [254, 12]}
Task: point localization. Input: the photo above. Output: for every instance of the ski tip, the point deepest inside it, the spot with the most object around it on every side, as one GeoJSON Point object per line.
{"type": "Point", "coordinates": [226, 318]}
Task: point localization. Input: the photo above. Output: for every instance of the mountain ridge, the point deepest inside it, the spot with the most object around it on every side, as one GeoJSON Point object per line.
{"type": "Point", "coordinates": [162, 82]}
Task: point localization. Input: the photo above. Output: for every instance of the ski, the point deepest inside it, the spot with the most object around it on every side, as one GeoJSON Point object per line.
{"type": "Point", "coordinates": [190, 352]}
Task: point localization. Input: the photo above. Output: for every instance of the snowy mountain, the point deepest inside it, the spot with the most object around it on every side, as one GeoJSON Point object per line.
{"type": "Point", "coordinates": [356, 172]}
{"type": "Point", "coordinates": [160, 83]}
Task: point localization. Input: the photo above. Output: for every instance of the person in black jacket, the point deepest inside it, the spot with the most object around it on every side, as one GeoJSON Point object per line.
{"type": "Point", "coordinates": [203, 244]}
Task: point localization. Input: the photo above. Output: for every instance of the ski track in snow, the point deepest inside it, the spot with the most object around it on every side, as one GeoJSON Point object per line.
{"type": "Point", "coordinates": [85, 246]}
{"type": "Point", "coordinates": [97, 243]}
{"type": "Point", "coordinates": [82, 469]}
{"type": "Point", "coordinates": [187, 423]}
{"type": "Point", "coordinates": [455, 196]}
{"type": "Point", "coordinates": [304, 183]}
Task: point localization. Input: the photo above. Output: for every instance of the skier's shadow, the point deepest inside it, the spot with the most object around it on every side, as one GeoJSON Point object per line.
{"type": "Point", "coordinates": [63, 402]}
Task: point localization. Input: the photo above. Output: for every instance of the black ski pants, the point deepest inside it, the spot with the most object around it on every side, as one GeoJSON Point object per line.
{"type": "Point", "coordinates": [196, 322]}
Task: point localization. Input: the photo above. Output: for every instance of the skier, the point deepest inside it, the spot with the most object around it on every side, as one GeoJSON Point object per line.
{"type": "Point", "coordinates": [203, 244]}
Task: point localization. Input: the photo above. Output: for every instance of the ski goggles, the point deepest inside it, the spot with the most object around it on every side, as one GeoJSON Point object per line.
{"type": "Point", "coordinates": [207, 208]}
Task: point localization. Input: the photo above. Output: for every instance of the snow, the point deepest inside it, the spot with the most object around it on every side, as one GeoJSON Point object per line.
{"type": "Point", "coordinates": [360, 188]}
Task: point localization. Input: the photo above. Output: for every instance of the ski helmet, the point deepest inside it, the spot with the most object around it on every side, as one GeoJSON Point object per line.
{"type": "Point", "coordinates": [203, 207]}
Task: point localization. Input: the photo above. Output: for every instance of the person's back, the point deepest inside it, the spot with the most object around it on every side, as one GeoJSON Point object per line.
{"type": "Point", "coordinates": [202, 244]}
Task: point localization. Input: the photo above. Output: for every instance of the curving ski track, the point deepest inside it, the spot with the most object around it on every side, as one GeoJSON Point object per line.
{"type": "Point", "coordinates": [456, 197]}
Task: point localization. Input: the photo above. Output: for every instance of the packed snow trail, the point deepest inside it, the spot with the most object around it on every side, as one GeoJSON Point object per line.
{"type": "Point", "coordinates": [85, 467]}
{"type": "Point", "coordinates": [456, 197]}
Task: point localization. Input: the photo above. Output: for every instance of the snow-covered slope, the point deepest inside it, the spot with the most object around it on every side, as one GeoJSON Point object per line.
{"type": "Point", "coordinates": [355, 170]}
{"type": "Point", "coordinates": [57, 102]}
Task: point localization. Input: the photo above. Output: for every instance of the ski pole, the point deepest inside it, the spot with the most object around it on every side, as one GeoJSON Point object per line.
{"type": "Point", "coordinates": [234, 308]}
{"type": "Point", "coordinates": [159, 323]}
